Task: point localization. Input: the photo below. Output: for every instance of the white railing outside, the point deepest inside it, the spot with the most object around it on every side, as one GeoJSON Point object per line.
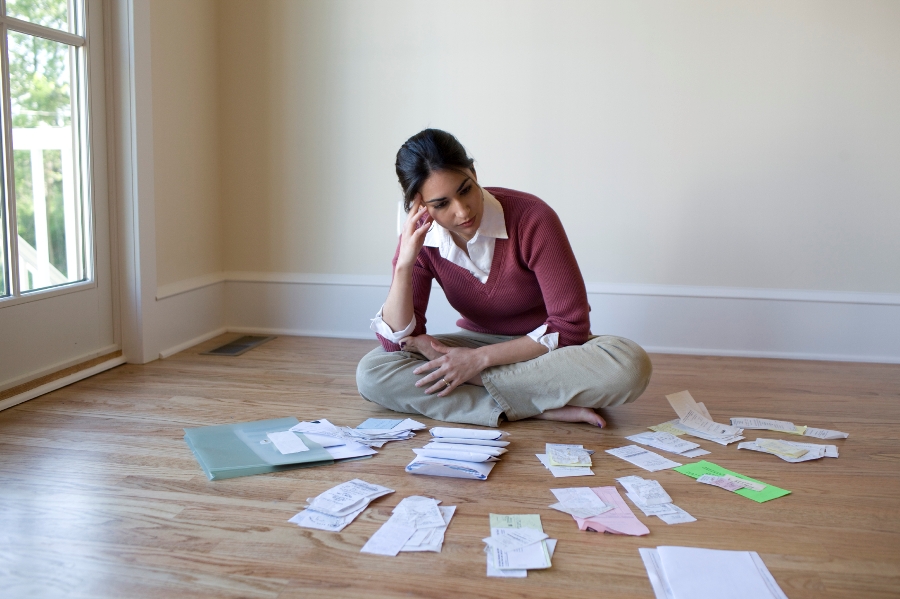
{"type": "Point", "coordinates": [36, 260]}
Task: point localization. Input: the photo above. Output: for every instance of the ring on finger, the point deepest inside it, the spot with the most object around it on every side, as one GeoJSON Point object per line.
{"type": "Point", "coordinates": [446, 383]}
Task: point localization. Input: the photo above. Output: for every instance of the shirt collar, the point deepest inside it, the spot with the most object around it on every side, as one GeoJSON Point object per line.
{"type": "Point", "coordinates": [493, 224]}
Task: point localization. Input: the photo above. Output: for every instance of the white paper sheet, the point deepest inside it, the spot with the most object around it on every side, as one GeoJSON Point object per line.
{"type": "Point", "coordinates": [419, 512]}
{"type": "Point", "coordinates": [462, 441]}
{"type": "Point", "coordinates": [320, 521]}
{"type": "Point", "coordinates": [679, 517]}
{"type": "Point", "coordinates": [515, 538]}
{"type": "Point", "coordinates": [695, 453]}
{"type": "Point", "coordinates": [450, 454]}
{"type": "Point", "coordinates": [658, 581]}
{"type": "Point", "coordinates": [642, 458]}
{"type": "Point", "coordinates": [645, 492]}
{"type": "Point", "coordinates": [389, 539]}
{"type": "Point", "coordinates": [693, 573]}
{"type": "Point", "coordinates": [664, 441]}
{"type": "Point", "coordinates": [529, 557]}
{"type": "Point", "coordinates": [287, 442]}
{"type": "Point", "coordinates": [467, 433]}
{"type": "Point", "coordinates": [347, 497]}
{"type": "Point", "coordinates": [824, 433]}
{"type": "Point", "coordinates": [580, 502]}
{"type": "Point", "coordinates": [764, 424]}
{"type": "Point", "coordinates": [431, 539]}
{"type": "Point", "coordinates": [494, 451]}
{"type": "Point", "coordinates": [563, 471]}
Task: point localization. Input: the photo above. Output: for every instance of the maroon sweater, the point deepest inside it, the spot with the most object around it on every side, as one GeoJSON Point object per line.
{"type": "Point", "coordinates": [534, 279]}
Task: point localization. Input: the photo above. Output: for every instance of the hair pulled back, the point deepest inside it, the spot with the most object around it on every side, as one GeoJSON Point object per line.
{"type": "Point", "coordinates": [425, 152]}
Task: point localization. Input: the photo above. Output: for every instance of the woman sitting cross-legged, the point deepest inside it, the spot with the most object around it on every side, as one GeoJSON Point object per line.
{"type": "Point", "coordinates": [505, 264]}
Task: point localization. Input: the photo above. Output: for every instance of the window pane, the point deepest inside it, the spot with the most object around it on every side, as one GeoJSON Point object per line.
{"type": "Point", "coordinates": [4, 288]}
{"type": "Point", "coordinates": [48, 204]}
{"type": "Point", "coordinates": [49, 13]}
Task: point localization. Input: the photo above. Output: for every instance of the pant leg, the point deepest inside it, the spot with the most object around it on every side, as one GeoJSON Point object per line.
{"type": "Point", "coordinates": [604, 372]}
{"type": "Point", "coordinates": [387, 378]}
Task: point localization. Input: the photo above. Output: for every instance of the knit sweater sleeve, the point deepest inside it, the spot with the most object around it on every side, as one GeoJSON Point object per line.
{"type": "Point", "coordinates": [546, 250]}
{"type": "Point", "coordinates": [421, 283]}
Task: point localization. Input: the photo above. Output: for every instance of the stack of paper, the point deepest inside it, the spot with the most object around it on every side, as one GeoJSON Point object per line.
{"type": "Point", "coordinates": [459, 453]}
{"type": "Point", "coordinates": [619, 519]}
{"type": "Point", "coordinates": [416, 524]}
{"type": "Point", "coordinates": [791, 451]}
{"type": "Point", "coordinates": [643, 458]}
{"type": "Point", "coordinates": [691, 573]}
{"type": "Point", "coordinates": [330, 437]}
{"type": "Point", "coordinates": [758, 491]}
{"type": "Point", "coordinates": [337, 507]}
{"type": "Point", "coordinates": [653, 500]}
{"type": "Point", "coordinates": [669, 442]}
{"type": "Point", "coordinates": [782, 426]}
{"type": "Point", "coordinates": [566, 460]}
{"type": "Point", "coordinates": [375, 432]}
{"type": "Point", "coordinates": [694, 419]}
{"type": "Point", "coordinates": [517, 544]}
{"type": "Point", "coordinates": [579, 502]}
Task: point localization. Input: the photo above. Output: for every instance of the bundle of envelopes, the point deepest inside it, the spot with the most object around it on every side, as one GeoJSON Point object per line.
{"type": "Point", "coordinates": [459, 453]}
{"type": "Point", "coordinates": [517, 544]}
{"type": "Point", "coordinates": [416, 524]}
{"type": "Point", "coordinates": [783, 426]}
{"type": "Point", "coordinates": [693, 573]}
{"type": "Point", "coordinates": [613, 515]}
{"type": "Point", "coordinates": [375, 432]}
{"type": "Point", "coordinates": [566, 460]}
{"type": "Point", "coordinates": [694, 419]}
{"type": "Point", "coordinates": [338, 506]}
{"type": "Point", "coordinates": [652, 499]}
{"type": "Point", "coordinates": [791, 451]}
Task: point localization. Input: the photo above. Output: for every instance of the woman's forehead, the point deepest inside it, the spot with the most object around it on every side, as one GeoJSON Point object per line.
{"type": "Point", "coordinates": [443, 183]}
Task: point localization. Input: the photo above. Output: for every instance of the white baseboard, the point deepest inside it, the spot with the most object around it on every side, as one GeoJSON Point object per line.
{"type": "Point", "coordinates": [192, 342]}
{"type": "Point", "coordinates": [60, 383]}
{"type": "Point", "coordinates": [718, 321]}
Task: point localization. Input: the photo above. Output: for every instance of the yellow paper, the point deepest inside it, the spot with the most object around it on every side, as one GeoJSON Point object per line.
{"type": "Point", "coordinates": [798, 430]}
{"type": "Point", "coordinates": [665, 427]}
{"type": "Point", "coordinates": [782, 449]}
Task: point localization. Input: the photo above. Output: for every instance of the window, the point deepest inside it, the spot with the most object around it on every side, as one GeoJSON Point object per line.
{"type": "Point", "coordinates": [45, 208]}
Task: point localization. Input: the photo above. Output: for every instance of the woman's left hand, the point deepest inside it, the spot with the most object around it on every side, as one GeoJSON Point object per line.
{"type": "Point", "coordinates": [455, 366]}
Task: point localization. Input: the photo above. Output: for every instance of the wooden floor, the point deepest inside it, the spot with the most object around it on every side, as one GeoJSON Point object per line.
{"type": "Point", "coordinates": [100, 496]}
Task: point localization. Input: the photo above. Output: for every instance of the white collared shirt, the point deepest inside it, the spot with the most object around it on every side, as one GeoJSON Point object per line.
{"type": "Point", "coordinates": [478, 262]}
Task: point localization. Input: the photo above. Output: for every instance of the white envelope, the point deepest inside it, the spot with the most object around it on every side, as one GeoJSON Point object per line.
{"type": "Point", "coordinates": [450, 468]}
{"type": "Point", "coordinates": [467, 433]}
{"type": "Point", "coordinates": [450, 454]}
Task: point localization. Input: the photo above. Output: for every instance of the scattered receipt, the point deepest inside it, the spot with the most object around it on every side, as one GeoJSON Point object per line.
{"type": "Point", "coordinates": [416, 524]}
{"type": "Point", "coordinates": [643, 458]}
{"type": "Point", "coordinates": [339, 506]}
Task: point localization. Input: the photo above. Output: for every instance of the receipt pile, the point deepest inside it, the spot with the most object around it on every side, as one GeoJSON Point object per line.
{"type": "Point", "coordinates": [652, 499]}
{"type": "Point", "coordinates": [566, 460]}
{"type": "Point", "coordinates": [416, 524]}
{"type": "Point", "coordinates": [791, 451]}
{"type": "Point", "coordinates": [694, 419]}
{"type": "Point", "coordinates": [459, 453]}
{"type": "Point", "coordinates": [337, 507]}
{"type": "Point", "coordinates": [669, 442]}
{"type": "Point", "coordinates": [517, 544]}
{"type": "Point", "coordinates": [375, 432]}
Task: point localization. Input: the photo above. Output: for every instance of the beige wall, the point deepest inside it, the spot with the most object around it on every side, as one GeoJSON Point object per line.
{"type": "Point", "coordinates": [189, 224]}
{"type": "Point", "coordinates": [750, 143]}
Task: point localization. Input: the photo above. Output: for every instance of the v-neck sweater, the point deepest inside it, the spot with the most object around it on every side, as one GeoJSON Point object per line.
{"type": "Point", "coordinates": [534, 279]}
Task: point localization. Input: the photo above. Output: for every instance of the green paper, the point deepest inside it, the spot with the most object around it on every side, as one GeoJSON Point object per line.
{"type": "Point", "coordinates": [698, 469]}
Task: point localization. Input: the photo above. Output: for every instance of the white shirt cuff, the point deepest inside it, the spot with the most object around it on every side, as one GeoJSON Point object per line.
{"type": "Point", "coordinates": [381, 327]}
{"type": "Point", "coordinates": [549, 340]}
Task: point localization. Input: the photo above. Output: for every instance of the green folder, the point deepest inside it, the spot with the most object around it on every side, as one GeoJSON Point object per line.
{"type": "Point", "coordinates": [231, 450]}
{"type": "Point", "coordinates": [698, 469]}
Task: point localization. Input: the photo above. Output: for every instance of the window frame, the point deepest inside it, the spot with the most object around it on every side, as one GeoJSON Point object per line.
{"type": "Point", "coordinates": [81, 128]}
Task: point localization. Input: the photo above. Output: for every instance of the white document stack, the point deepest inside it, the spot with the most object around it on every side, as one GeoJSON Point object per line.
{"type": "Point", "coordinates": [416, 524]}
{"type": "Point", "coordinates": [566, 460]}
{"type": "Point", "coordinates": [332, 440]}
{"type": "Point", "coordinates": [517, 544]}
{"type": "Point", "coordinates": [338, 506]}
{"type": "Point", "coordinates": [692, 573]}
{"type": "Point", "coordinates": [459, 453]}
{"type": "Point", "coordinates": [652, 499]}
{"type": "Point", "coordinates": [579, 502]}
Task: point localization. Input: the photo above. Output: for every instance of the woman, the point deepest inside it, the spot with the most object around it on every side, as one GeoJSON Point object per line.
{"type": "Point", "coordinates": [503, 260]}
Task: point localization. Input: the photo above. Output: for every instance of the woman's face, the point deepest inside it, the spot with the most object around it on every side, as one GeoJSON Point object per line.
{"type": "Point", "coordinates": [454, 201]}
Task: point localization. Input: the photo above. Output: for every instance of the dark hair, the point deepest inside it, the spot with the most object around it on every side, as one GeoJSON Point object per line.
{"type": "Point", "coordinates": [422, 154]}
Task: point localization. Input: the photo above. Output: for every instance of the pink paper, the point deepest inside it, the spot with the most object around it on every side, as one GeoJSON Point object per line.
{"type": "Point", "coordinates": [619, 521]}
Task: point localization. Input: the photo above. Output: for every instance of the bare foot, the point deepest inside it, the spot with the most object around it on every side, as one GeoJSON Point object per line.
{"type": "Point", "coordinates": [421, 344]}
{"type": "Point", "coordinates": [573, 414]}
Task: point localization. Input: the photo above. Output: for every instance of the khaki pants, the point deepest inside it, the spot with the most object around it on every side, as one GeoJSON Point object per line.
{"type": "Point", "coordinates": [604, 372]}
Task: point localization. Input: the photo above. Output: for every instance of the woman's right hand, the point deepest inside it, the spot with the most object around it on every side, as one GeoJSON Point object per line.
{"type": "Point", "coordinates": [413, 236]}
